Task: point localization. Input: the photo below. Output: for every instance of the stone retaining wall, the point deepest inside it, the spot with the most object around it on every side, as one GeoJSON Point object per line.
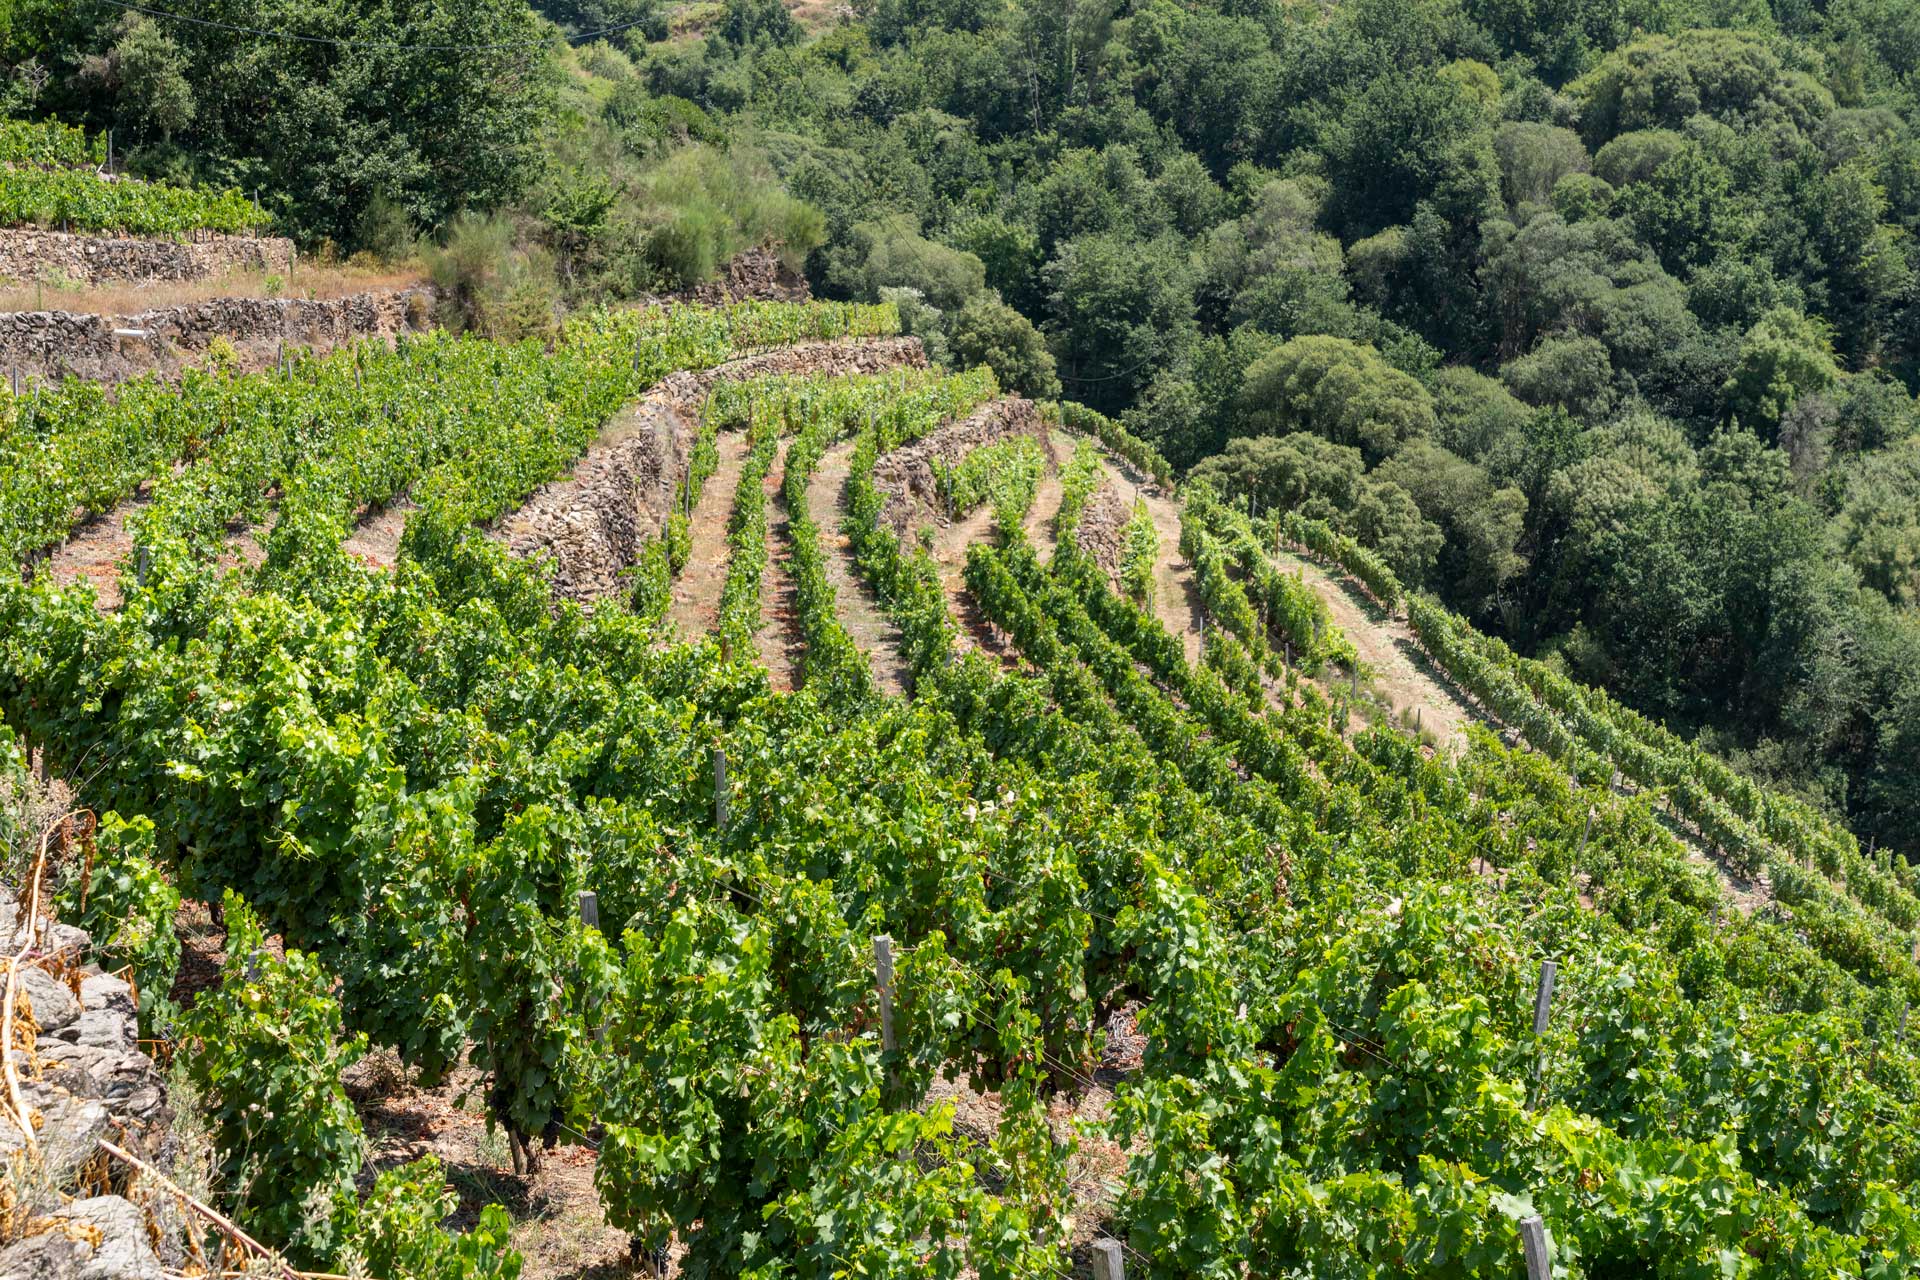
{"type": "Point", "coordinates": [85, 1079]}
{"type": "Point", "coordinates": [906, 475]}
{"type": "Point", "coordinates": [27, 254]}
{"type": "Point", "coordinates": [44, 346]}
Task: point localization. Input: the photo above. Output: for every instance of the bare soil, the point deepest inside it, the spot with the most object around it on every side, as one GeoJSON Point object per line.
{"type": "Point", "coordinates": [860, 612]}
{"type": "Point", "coordinates": [95, 552]}
{"type": "Point", "coordinates": [697, 591]}
{"type": "Point", "coordinates": [779, 641]}
{"type": "Point", "coordinates": [376, 539]}
{"type": "Point", "coordinates": [316, 282]}
{"type": "Point", "coordinates": [1416, 692]}
{"type": "Point", "coordinates": [1039, 523]}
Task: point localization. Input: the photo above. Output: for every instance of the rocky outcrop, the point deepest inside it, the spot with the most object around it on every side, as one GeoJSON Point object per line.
{"type": "Point", "coordinates": [906, 475]}
{"type": "Point", "coordinates": [84, 1079]}
{"type": "Point", "coordinates": [27, 253]}
{"type": "Point", "coordinates": [594, 523]}
{"type": "Point", "coordinates": [758, 275]}
{"type": "Point", "coordinates": [48, 345]}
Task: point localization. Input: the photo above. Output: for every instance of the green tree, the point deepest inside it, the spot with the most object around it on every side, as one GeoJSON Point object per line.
{"type": "Point", "coordinates": [988, 332]}
{"type": "Point", "coordinates": [1337, 389]}
{"type": "Point", "coordinates": [1783, 357]}
{"type": "Point", "coordinates": [1119, 311]}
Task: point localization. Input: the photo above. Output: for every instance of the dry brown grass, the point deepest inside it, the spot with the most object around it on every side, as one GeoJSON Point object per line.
{"type": "Point", "coordinates": [318, 281]}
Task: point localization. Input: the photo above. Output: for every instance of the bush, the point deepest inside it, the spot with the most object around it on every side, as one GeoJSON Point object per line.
{"type": "Point", "coordinates": [266, 1048]}
{"type": "Point", "coordinates": [491, 285]}
{"type": "Point", "coordinates": [128, 907]}
{"type": "Point", "coordinates": [989, 332]}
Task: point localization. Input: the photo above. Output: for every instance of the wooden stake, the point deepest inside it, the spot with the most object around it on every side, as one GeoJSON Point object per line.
{"type": "Point", "coordinates": [720, 813]}
{"type": "Point", "coordinates": [1543, 998]}
{"type": "Point", "coordinates": [590, 909]}
{"type": "Point", "coordinates": [883, 984]}
{"type": "Point", "coordinates": [1108, 1264]}
{"type": "Point", "coordinates": [1585, 832]}
{"type": "Point", "coordinates": [1533, 1240]}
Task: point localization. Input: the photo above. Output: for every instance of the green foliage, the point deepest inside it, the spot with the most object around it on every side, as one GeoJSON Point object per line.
{"type": "Point", "coordinates": [988, 332]}
{"type": "Point", "coordinates": [73, 199]}
{"type": "Point", "coordinates": [1785, 356]}
{"type": "Point", "coordinates": [124, 901]}
{"type": "Point", "coordinates": [266, 1048]}
{"type": "Point", "coordinates": [1139, 550]}
{"type": "Point", "coordinates": [397, 1230]}
{"type": "Point", "coordinates": [1337, 389]}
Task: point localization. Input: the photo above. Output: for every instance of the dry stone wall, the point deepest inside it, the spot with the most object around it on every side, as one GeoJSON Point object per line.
{"type": "Point", "coordinates": [27, 253]}
{"type": "Point", "coordinates": [85, 1079]}
{"type": "Point", "coordinates": [44, 346]}
{"type": "Point", "coordinates": [594, 523]}
{"type": "Point", "coordinates": [906, 475]}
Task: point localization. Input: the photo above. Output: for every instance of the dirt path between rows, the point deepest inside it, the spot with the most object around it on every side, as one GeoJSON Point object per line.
{"type": "Point", "coordinates": [95, 551]}
{"type": "Point", "coordinates": [375, 540]}
{"type": "Point", "coordinates": [1047, 499]}
{"type": "Point", "coordinates": [1402, 672]}
{"type": "Point", "coordinates": [778, 641]}
{"type": "Point", "coordinates": [703, 579]}
{"type": "Point", "coordinates": [860, 611]}
{"type": "Point", "coordinates": [1176, 597]}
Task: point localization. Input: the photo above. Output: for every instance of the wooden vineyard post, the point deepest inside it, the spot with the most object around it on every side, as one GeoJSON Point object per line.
{"type": "Point", "coordinates": [1108, 1264]}
{"type": "Point", "coordinates": [142, 566]}
{"type": "Point", "coordinates": [720, 813]}
{"type": "Point", "coordinates": [883, 988]}
{"type": "Point", "coordinates": [1542, 1009]}
{"type": "Point", "coordinates": [1543, 997]}
{"type": "Point", "coordinates": [1585, 831]}
{"type": "Point", "coordinates": [1533, 1241]}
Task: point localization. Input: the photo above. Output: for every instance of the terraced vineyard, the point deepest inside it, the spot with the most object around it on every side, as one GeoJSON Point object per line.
{"type": "Point", "coordinates": [927, 755]}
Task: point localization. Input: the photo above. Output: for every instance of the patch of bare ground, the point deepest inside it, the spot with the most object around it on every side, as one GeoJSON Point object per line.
{"type": "Point", "coordinates": [559, 1222]}
{"type": "Point", "coordinates": [1045, 510]}
{"type": "Point", "coordinates": [1415, 690]}
{"type": "Point", "coordinates": [317, 282]}
{"type": "Point", "coordinates": [697, 589]}
{"type": "Point", "coordinates": [779, 641]}
{"type": "Point", "coordinates": [375, 539]}
{"type": "Point", "coordinates": [860, 612]}
{"type": "Point", "coordinates": [95, 551]}
{"type": "Point", "coordinates": [593, 522]}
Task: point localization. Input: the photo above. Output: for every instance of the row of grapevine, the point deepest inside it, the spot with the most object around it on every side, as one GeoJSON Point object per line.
{"type": "Point", "coordinates": [1356, 561]}
{"type": "Point", "coordinates": [1291, 608]}
{"type": "Point", "coordinates": [1876, 950]}
{"type": "Point", "coordinates": [1006, 473]}
{"type": "Point", "coordinates": [747, 540]}
{"type": "Point", "coordinates": [1081, 420]}
{"type": "Point", "coordinates": [49, 144]}
{"type": "Point", "coordinates": [1191, 1218]}
{"type": "Point", "coordinates": [413, 776]}
{"type": "Point", "coordinates": [1139, 552]}
{"type": "Point", "coordinates": [80, 200]}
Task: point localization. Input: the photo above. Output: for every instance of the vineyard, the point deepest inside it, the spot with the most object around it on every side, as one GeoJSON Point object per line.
{"type": "Point", "coordinates": [745, 871]}
{"type": "Point", "coordinates": [52, 175]}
